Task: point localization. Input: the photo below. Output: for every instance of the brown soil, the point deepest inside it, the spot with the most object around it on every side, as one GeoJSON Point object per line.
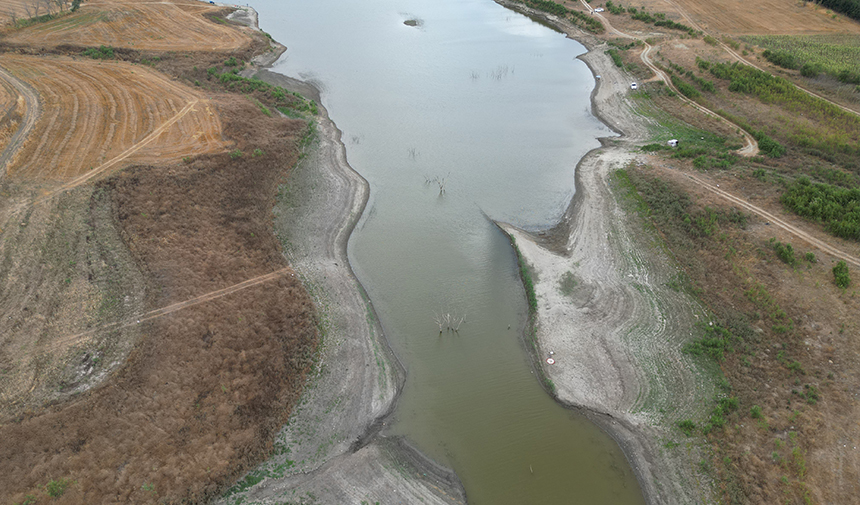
{"type": "Point", "coordinates": [204, 388]}
{"type": "Point", "coordinates": [175, 25]}
{"type": "Point", "coordinates": [99, 116]}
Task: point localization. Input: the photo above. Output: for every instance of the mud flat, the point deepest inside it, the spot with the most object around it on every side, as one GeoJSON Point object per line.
{"type": "Point", "coordinates": [331, 450]}
{"type": "Point", "coordinates": [616, 332]}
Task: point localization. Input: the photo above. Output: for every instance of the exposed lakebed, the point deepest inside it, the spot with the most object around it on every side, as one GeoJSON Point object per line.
{"type": "Point", "coordinates": [475, 111]}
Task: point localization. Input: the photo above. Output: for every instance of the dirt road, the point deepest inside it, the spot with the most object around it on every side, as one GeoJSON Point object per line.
{"type": "Point", "coordinates": [797, 232]}
{"type": "Point", "coordinates": [750, 145]}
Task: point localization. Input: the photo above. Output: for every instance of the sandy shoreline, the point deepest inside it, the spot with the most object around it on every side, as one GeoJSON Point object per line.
{"type": "Point", "coordinates": [333, 438]}
{"type": "Point", "coordinates": [331, 448]}
{"type": "Point", "coordinates": [617, 338]}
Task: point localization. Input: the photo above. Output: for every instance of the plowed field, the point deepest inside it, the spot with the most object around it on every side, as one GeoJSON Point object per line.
{"type": "Point", "coordinates": [161, 26]}
{"type": "Point", "coordinates": [100, 115]}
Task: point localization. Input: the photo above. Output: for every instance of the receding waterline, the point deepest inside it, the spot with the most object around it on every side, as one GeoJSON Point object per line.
{"type": "Point", "coordinates": [474, 111]}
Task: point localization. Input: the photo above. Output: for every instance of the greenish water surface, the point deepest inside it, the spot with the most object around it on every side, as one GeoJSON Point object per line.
{"type": "Point", "coordinates": [495, 108]}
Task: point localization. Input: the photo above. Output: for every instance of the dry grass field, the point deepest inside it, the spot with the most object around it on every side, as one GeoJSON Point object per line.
{"type": "Point", "coordinates": [163, 26]}
{"type": "Point", "coordinates": [100, 115]}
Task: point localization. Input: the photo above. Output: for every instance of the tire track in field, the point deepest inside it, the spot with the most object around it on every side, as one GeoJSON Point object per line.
{"type": "Point", "coordinates": [161, 312]}
{"type": "Point", "coordinates": [806, 237]}
{"type": "Point", "coordinates": [119, 158]}
{"type": "Point", "coordinates": [31, 98]}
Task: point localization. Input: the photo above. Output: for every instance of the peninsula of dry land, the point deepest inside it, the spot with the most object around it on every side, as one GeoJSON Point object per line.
{"type": "Point", "coordinates": [700, 300]}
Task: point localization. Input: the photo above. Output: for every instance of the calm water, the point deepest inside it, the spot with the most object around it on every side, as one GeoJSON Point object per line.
{"type": "Point", "coordinates": [497, 107]}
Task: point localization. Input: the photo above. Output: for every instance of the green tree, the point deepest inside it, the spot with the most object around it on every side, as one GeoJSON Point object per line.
{"type": "Point", "coordinates": [76, 4]}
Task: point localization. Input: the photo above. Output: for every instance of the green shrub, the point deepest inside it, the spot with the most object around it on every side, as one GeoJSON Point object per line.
{"type": "Point", "coordinates": [782, 59]}
{"type": "Point", "coordinates": [841, 276]}
{"type": "Point", "coordinates": [755, 412]}
{"type": "Point", "coordinates": [99, 53]}
{"type": "Point", "coordinates": [784, 252]}
{"type": "Point", "coordinates": [56, 488]}
{"type": "Point", "coordinates": [838, 208]}
{"type": "Point", "coordinates": [714, 344]}
{"type": "Point", "coordinates": [616, 58]}
{"type": "Point", "coordinates": [810, 70]}
{"type": "Point", "coordinates": [684, 88]}
{"type": "Point", "coordinates": [687, 426]}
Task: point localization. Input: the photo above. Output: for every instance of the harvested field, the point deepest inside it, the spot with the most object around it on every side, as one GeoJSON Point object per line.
{"type": "Point", "coordinates": [163, 26]}
{"type": "Point", "coordinates": [764, 17]}
{"type": "Point", "coordinates": [99, 116]}
{"type": "Point", "coordinates": [733, 17]}
{"type": "Point", "coordinates": [205, 386]}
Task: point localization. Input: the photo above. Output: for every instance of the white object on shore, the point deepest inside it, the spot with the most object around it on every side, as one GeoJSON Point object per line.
{"type": "Point", "coordinates": [550, 361]}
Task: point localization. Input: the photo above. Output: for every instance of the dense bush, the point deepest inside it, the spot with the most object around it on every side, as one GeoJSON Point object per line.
{"type": "Point", "coordinates": [684, 88]}
{"type": "Point", "coordinates": [99, 53]}
{"type": "Point", "coordinates": [782, 59]}
{"type": "Point", "coordinates": [838, 208]}
{"type": "Point", "coordinates": [836, 132]}
{"type": "Point", "coordinates": [840, 274]}
{"type": "Point", "coordinates": [850, 8]}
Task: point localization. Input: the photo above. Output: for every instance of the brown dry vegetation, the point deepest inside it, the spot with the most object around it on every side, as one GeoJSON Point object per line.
{"type": "Point", "coordinates": [178, 25]}
{"type": "Point", "coordinates": [194, 393]}
{"type": "Point", "coordinates": [98, 115]}
{"type": "Point", "coordinates": [206, 386]}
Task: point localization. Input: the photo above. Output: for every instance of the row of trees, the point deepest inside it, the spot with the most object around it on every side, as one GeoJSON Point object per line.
{"type": "Point", "coordinates": [850, 8]}
{"type": "Point", "coordinates": [36, 9]}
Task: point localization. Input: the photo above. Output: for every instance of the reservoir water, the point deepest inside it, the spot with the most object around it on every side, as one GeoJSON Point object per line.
{"type": "Point", "coordinates": [494, 109]}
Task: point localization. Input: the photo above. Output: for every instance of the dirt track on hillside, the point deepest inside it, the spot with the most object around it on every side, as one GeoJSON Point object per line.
{"type": "Point", "coordinates": [99, 115]}
{"type": "Point", "coordinates": [204, 389]}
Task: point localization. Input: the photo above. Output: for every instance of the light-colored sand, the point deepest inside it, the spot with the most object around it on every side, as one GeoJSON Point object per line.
{"type": "Point", "coordinates": [616, 338]}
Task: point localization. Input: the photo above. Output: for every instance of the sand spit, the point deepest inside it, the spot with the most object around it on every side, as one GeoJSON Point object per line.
{"type": "Point", "coordinates": [616, 336]}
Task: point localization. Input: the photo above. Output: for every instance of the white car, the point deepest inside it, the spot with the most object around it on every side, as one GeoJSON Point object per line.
{"type": "Point", "coordinates": [634, 86]}
{"type": "Point", "coordinates": [599, 9]}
